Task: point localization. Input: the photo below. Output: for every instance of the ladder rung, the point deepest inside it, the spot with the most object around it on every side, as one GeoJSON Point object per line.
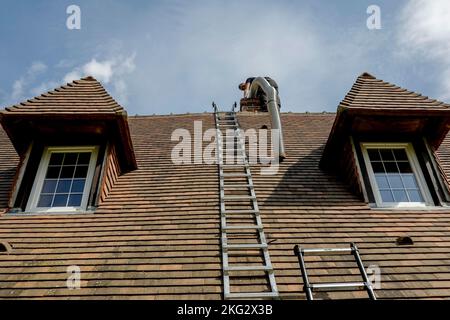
{"type": "Point", "coordinates": [236, 186]}
{"type": "Point", "coordinates": [235, 165]}
{"type": "Point", "coordinates": [325, 250]}
{"type": "Point", "coordinates": [240, 211]}
{"type": "Point", "coordinates": [239, 198]}
{"type": "Point", "coordinates": [251, 295]}
{"type": "Point", "coordinates": [324, 286]}
{"type": "Point", "coordinates": [244, 246]}
{"type": "Point", "coordinates": [235, 175]}
{"type": "Point", "coordinates": [248, 268]}
{"type": "Point", "coordinates": [255, 226]}
{"type": "Point", "coordinates": [234, 149]}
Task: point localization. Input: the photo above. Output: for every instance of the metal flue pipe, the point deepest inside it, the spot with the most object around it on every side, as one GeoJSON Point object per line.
{"type": "Point", "coordinates": [272, 107]}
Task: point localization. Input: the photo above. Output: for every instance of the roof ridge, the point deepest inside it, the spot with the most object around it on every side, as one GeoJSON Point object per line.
{"type": "Point", "coordinates": [384, 91]}
{"type": "Point", "coordinates": [76, 92]}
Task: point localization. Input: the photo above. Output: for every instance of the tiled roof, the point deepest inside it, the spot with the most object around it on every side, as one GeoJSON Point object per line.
{"type": "Point", "coordinates": [157, 235]}
{"type": "Point", "coordinates": [80, 97]}
{"type": "Point", "coordinates": [81, 100]}
{"type": "Point", "coordinates": [369, 92]}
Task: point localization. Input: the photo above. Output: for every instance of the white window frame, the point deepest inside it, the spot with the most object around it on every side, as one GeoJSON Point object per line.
{"type": "Point", "coordinates": [40, 176]}
{"type": "Point", "coordinates": [415, 166]}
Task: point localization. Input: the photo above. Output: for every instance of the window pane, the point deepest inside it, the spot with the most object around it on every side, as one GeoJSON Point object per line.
{"type": "Point", "coordinates": [84, 158]}
{"type": "Point", "coordinates": [45, 201]}
{"type": "Point", "coordinates": [386, 154]}
{"type": "Point", "coordinates": [395, 181]}
{"type": "Point", "coordinates": [373, 154]}
{"type": "Point", "coordinates": [53, 172]}
{"type": "Point", "coordinates": [60, 200]}
{"type": "Point", "coordinates": [377, 167]}
{"type": "Point", "coordinates": [77, 185]}
{"type": "Point", "coordinates": [74, 200]}
{"type": "Point", "coordinates": [49, 186]}
{"type": "Point", "coordinates": [70, 158]}
{"type": "Point", "coordinates": [81, 172]}
{"type": "Point", "coordinates": [391, 167]}
{"type": "Point", "coordinates": [394, 176]}
{"type": "Point", "coordinates": [64, 186]}
{"type": "Point", "coordinates": [382, 181]}
{"type": "Point", "coordinates": [67, 172]}
{"type": "Point", "coordinates": [404, 167]}
{"type": "Point", "coordinates": [400, 154]}
{"type": "Point", "coordinates": [410, 181]}
{"type": "Point", "coordinates": [415, 195]}
{"type": "Point", "coordinates": [400, 196]}
{"type": "Point", "coordinates": [56, 158]}
{"type": "Point", "coordinates": [386, 196]}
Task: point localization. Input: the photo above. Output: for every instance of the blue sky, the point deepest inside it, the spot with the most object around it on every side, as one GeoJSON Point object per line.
{"type": "Point", "coordinates": [177, 56]}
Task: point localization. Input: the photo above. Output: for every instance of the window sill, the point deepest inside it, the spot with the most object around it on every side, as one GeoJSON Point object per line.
{"type": "Point", "coordinates": [49, 213]}
{"type": "Point", "coordinates": [406, 208]}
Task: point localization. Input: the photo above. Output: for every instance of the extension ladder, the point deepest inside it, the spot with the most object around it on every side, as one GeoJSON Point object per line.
{"type": "Point", "coordinates": [242, 193]}
{"type": "Point", "coordinates": [309, 287]}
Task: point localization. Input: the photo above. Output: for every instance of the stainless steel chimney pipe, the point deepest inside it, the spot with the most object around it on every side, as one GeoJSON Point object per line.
{"type": "Point", "coordinates": [272, 107]}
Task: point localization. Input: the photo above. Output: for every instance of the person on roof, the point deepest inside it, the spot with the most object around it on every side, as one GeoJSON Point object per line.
{"type": "Point", "coordinates": [245, 86]}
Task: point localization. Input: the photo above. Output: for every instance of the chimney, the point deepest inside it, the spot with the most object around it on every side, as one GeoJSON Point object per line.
{"type": "Point", "coordinates": [261, 95]}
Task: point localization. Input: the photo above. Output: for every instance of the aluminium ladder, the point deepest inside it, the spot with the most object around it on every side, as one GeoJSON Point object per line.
{"type": "Point", "coordinates": [232, 192]}
{"type": "Point", "coordinates": [310, 287]}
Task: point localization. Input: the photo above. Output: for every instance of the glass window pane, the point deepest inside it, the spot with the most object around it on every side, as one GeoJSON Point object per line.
{"type": "Point", "coordinates": [386, 196]}
{"type": "Point", "coordinates": [70, 158]}
{"type": "Point", "coordinates": [67, 172]}
{"type": "Point", "coordinates": [391, 167]}
{"type": "Point", "coordinates": [64, 186]}
{"type": "Point", "coordinates": [404, 167]}
{"type": "Point", "coordinates": [45, 201]}
{"type": "Point", "coordinates": [49, 186]}
{"type": "Point", "coordinates": [400, 154]}
{"type": "Point", "coordinates": [377, 167]}
{"type": "Point", "coordinates": [373, 154]}
{"type": "Point", "coordinates": [415, 195]}
{"type": "Point", "coordinates": [400, 196]}
{"type": "Point", "coordinates": [60, 200]}
{"type": "Point", "coordinates": [84, 158]}
{"type": "Point", "coordinates": [53, 172]}
{"type": "Point", "coordinates": [77, 185]}
{"type": "Point", "coordinates": [395, 181]}
{"type": "Point", "coordinates": [81, 172]}
{"type": "Point", "coordinates": [410, 181]}
{"type": "Point", "coordinates": [74, 200]}
{"type": "Point", "coordinates": [386, 154]}
{"type": "Point", "coordinates": [56, 158]}
{"type": "Point", "coordinates": [382, 181]}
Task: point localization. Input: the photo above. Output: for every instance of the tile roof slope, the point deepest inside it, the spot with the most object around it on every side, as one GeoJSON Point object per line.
{"type": "Point", "coordinates": [157, 234]}
{"type": "Point", "coordinates": [84, 96]}
{"type": "Point", "coordinates": [369, 92]}
{"type": "Point", "coordinates": [155, 237]}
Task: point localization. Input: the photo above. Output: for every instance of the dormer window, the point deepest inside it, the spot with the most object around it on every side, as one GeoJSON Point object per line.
{"type": "Point", "coordinates": [63, 179]}
{"type": "Point", "coordinates": [74, 143]}
{"type": "Point", "coordinates": [395, 175]}
{"type": "Point", "coordinates": [383, 145]}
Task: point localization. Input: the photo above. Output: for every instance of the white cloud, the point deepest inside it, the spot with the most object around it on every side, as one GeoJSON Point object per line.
{"type": "Point", "coordinates": [425, 29]}
{"type": "Point", "coordinates": [21, 84]}
{"type": "Point", "coordinates": [102, 71]}
{"type": "Point", "coordinates": [109, 71]}
{"type": "Point", "coordinates": [17, 89]}
{"type": "Point", "coordinates": [71, 76]}
{"type": "Point", "coordinates": [44, 87]}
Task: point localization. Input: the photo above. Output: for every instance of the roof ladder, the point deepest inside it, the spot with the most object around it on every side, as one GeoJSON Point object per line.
{"type": "Point", "coordinates": [309, 287]}
{"type": "Point", "coordinates": [242, 232]}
